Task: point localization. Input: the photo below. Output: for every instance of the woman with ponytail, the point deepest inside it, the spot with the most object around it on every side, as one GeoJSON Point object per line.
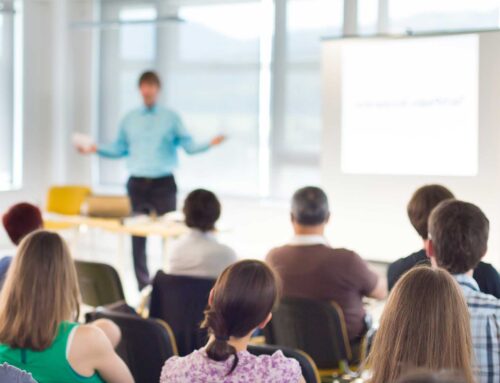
{"type": "Point", "coordinates": [240, 302]}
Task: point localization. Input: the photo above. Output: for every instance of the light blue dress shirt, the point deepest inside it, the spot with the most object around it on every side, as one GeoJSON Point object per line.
{"type": "Point", "coordinates": [149, 138]}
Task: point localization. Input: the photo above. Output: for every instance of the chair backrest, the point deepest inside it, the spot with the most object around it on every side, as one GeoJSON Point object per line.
{"type": "Point", "coordinates": [180, 301]}
{"type": "Point", "coordinates": [317, 328]}
{"type": "Point", "coordinates": [145, 345]}
{"type": "Point", "coordinates": [11, 374]}
{"type": "Point", "coordinates": [100, 283]}
{"type": "Point", "coordinates": [66, 199]}
{"type": "Point", "coordinates": [309, 370]}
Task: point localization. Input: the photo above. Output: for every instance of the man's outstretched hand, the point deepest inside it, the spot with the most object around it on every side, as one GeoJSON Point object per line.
{"type": "Point", "coordinates": [217, 140]}
{"type": "Point", "coordinates": [87, 149]}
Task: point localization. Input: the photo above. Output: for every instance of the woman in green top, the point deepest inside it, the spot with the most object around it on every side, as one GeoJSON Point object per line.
{"type": "Point", "coordinates": [39, 304]}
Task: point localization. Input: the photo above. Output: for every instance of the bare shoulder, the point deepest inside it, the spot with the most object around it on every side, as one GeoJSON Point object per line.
{"type": "Point", "coordinates": [92, 339]}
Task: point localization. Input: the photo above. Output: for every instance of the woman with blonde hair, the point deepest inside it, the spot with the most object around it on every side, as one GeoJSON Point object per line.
{"type": "Point", "coordinates": [425, 324]}
{"type": "Point", "coordinates": [39, 306]}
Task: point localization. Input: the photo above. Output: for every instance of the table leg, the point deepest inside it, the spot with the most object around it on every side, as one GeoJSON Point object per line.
{"type": "Point", "coordinates": [164, 253]}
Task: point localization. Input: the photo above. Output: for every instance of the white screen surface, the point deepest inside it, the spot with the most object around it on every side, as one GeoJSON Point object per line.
{"type": "Point", "coordinates": [410, 106]}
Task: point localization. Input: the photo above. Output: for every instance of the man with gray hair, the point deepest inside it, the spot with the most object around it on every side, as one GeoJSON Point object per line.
{"type": "Point", "coordinates": [310, 268]}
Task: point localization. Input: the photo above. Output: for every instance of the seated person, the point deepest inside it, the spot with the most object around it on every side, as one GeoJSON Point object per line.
{"type": "Point", "coordinates": [20, 220]}
{"type": "Point", "coordinates": [240, 302]}
{"type": "Point", "coordinates": [425, 324]}
{"type": "Point", "coordinates": [10, 374]}
{"type": "Point", "coordinates": [198, 253]}
{"type": "Point", "coordinates": [310, 268]}
{"type": "Point", "coordinates": [458, 239]}
{"type": "Point", "coordinates": [419, 208]}
{"type": "Point", "coordinates": [39, 305]}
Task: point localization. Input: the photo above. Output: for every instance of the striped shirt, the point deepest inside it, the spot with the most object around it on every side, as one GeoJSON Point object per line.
{"type": "Point", "coordinates": [485, 323]}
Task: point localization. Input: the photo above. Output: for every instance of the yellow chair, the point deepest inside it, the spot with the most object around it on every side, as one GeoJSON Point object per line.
{"type": "Point", "coordinates": [66, 200]}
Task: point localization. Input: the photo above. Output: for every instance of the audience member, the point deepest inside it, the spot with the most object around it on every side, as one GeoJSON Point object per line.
{"type": "Point", "coordinates": [458, 239]}
{"type": "Point", "coordinates": [419, 208]}
{"type": "Point", "coordinates": [432, 377]}
{"type": "Point", "coordinates": [199, 253]}
{"type": "Point", "coordinates": [240, 302]}
{"type": "Point", "coordinates": [39, 305]}
{"type": "Point", "coordinates": [10, 374]}
{"type": "Point", "coordinates": [425, 324]}
{"type": "Point", "coordinates": [310, 268]}
{"type": "Point", "coordinates": [20, 220]}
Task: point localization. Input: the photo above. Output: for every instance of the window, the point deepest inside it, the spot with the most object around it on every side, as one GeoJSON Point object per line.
{"type": "Point", "coordinates": [432, 15]}
{"type": "Point", "coordinates": [297, 128]}
{"type": "Point", "coordinates": [125, 53]}
{"type": "Point", "coordinates": [212, 79]}
{"type": "Point", "coordinates": [217, 72]}
{"type": "Point", "coordinates": [368, 16]}
{"type": "Point", "coordinates": [9, 96]}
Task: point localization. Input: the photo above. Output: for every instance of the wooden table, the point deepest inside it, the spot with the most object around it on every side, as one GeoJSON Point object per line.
{"type": "Point", "coordinates": [141, 226]}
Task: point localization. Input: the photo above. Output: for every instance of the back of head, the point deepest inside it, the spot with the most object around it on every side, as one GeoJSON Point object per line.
{"type": "Point", "coordinates": [421, 204]}
{"type": "Point", "coordinates": [425, 324]}
{"type": "Point", "coordinates": [20, 220]}
{"type": "Point", "coordinates": [432, 377]}
{"type": "Point", "coordinates": [243, 297]}
{"type": "Point", "coordinates": [40, 292]}
{"type": "Point", "coordinates": [202, 210]}
{"type": "Point", "coordinates": [310, 206]}
{"type": "Point", "coordinates": [459, 233]}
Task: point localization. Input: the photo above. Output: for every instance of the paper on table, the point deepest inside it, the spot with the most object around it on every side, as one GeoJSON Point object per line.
{"type": "Point", "coordinates": [83, 141]}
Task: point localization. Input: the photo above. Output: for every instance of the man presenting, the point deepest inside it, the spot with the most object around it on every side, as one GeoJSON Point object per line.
{"type": "Point", "coordinates": [149, 137]}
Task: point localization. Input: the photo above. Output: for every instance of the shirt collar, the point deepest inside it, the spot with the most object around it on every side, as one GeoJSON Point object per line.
{"type": "Point", "coordinates": [308, 239]}
{"type": "Point", "coordinates": [466, 281]}
{"type": "Point", "coordinates": [146, 110]}
{"type": "Point", "coordinates": [207, 234]}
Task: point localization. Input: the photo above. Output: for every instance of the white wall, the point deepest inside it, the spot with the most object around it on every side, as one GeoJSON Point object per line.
{"type": "Point", "coordinates": [37, 100]}
{"type": "Point", "coordinates": [51, 110]}
{"type": "Point", "coordinates": [369, 211]}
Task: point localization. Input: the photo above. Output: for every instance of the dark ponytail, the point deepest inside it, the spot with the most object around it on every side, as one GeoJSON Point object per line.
{"type": "Point", "coordinates": [219, 349]}
{"type": "Point", "coordinates": [243, 297]}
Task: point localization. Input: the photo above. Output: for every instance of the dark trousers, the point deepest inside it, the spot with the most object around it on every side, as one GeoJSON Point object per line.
{"type": "Point", "coordinates": [149, 196]}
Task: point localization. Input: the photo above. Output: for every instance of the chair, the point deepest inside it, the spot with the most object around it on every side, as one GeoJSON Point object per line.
{"type": "Point", "coordinates": [66, 199]}
{"type": "Point", "coordinates": [145, 345]}
{"type": "Point", "coordinates": [11, 374]}
{"type": "Point", "coordinates": [180, 301]}
{"type": "Point", "coordinates": [309, 370]}
{"type": "Point", "coordinates": [100, 284]}
{"type": "Point", "coordinates": [315, 327]}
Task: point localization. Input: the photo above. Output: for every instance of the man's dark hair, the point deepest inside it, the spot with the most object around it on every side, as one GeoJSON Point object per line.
{"type": "Point", "coordinates": [421, 204]}
{"type": "Point", "coordinates": [459, 233]}
{"type": "Point", "coordinates": [150, 77]}
{"type": "Point", "coordinates": [310, 206]}
{"type": "Point", "coordinates": [202, 210]}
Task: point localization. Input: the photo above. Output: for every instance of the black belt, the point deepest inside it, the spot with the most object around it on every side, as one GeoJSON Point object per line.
{"type": "Point", "coordinates": [151, 179]}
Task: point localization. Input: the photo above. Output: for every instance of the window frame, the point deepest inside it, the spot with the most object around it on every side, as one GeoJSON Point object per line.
{"type": "Point", "coordinates": [14, 27]}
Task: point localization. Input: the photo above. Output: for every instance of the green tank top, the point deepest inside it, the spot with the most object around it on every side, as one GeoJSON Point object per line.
{"type": "Point", "coordinates": [50, 365]}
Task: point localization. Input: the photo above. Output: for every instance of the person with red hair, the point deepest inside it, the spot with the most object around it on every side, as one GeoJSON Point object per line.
{"type": "Point", "coordinates": [20, 220]}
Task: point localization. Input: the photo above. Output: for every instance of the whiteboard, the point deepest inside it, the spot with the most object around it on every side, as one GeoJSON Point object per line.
{"type": "Point", "coordinates": [369, 194]}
